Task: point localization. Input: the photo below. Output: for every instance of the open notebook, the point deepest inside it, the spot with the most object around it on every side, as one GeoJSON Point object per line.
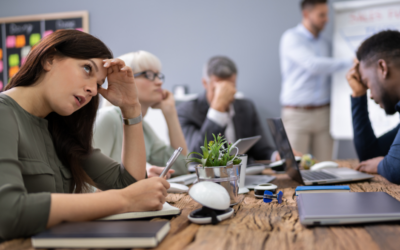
{"type": "Point", "coordinates": [167, 210]}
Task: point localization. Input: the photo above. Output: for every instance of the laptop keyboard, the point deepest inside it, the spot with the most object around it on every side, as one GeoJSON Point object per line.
{"type": "Point", "coordinates": [312, 176]}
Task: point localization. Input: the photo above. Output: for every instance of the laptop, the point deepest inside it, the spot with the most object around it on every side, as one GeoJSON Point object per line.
{"type": "Point", "coordinates": [251, 181]}
{"type": "Point", "coordinates": [245, 144]}
{"type": "Point", "coordinates": [347, 208]}
{"type": "Point", "coordinates": [307, 177]}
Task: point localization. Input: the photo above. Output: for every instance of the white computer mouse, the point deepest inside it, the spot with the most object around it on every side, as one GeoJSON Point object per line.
{"type": "Point", "coordinates": [324, 165]}
{"type": "Point", "coordinates": [177, 188]}
{"type": "Point", "coordinates": [210, 194]}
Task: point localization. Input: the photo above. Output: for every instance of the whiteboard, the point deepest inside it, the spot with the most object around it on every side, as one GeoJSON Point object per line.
{"type": "Point", "coordinates": [354, 22]}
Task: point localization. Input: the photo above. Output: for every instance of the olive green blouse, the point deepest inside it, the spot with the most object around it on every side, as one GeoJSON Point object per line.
{"type": "Point", "coordinates": [30, 171]}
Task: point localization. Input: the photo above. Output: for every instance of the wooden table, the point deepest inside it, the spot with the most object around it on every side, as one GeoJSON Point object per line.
{"type": "Point", "coordinates": [256, 225]}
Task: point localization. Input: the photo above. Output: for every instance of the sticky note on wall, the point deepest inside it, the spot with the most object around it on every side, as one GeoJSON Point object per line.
{"type": "Point", "coordinates": [25, 51]}
{"type": "Point", "coordinates": [10, 42]}
{"type": "Point", "coordinates": [12, 71]}
{"type": "Point", "coordinates": [47, 32]}
{"type": "Point", "coordinates": [1, 54]}
{"type": "Point", "coordinates": [23, 61]}
{"type": "Point", "coordinates": [34, 39]}
{"type": "Point", "coordinates": [20, 41]}
{"type": "Point", "coordinates": [13, 60]}
{"type": "Point", "coordinates": [1, 66]}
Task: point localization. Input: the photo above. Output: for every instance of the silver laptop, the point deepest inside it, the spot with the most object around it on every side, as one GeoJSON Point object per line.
{"type": "Point", "coordinates": [307, 177]}
{"type": "Point", "coordinates": [347, 208]}
{"type": "Point", "coordinates": [245, 144]}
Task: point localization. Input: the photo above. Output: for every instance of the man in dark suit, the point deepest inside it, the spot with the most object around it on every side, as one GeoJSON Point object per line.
{"type": "Point", "coordinates": [218, 111]}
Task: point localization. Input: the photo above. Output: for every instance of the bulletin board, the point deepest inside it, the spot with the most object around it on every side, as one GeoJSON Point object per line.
{"type": "Point", "coordinates": [18, 35]}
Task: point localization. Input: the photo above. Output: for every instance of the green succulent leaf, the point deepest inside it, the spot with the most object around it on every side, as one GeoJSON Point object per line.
{"type": "Point", "coordinates": [215, 153]}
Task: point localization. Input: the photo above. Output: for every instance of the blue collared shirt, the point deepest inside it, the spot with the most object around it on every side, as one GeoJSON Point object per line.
{"type": "Point", "coordinates": [306, 67]}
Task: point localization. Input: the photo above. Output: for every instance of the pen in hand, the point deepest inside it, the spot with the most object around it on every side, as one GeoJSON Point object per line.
{"type": "Point", "coordinates": [171, 161]}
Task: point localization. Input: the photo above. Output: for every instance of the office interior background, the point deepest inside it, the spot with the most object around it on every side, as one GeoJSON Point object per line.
{"type": "Point", "coordinates": [185, 34]}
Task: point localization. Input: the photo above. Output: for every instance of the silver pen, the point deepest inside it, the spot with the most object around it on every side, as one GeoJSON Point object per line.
{"type": "Point", "coordinates": [171, 161]}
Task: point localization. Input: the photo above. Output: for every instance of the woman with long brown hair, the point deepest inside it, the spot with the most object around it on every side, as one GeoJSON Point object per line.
{"type": "Point", "coordinates": [47, 161]}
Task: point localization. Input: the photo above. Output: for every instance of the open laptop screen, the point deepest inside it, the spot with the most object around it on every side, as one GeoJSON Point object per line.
{"type": "Point", "coordinates": [285, 150]}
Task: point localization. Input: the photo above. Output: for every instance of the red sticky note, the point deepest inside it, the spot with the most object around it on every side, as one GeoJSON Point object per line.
{"type": "Point", "coordinates": [1, 66]}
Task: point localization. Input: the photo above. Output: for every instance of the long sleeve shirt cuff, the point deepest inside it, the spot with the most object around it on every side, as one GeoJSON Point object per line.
{"type": "Point", "coordinates": [220, 118]}
{"type": "Point", "coordinates": [380, 169]}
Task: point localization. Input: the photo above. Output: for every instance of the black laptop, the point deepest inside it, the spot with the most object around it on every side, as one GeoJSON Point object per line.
{"type": "Point", "coordinates": [307, 177]}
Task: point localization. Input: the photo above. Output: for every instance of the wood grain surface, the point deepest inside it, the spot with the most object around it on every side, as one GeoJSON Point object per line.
{"type": "Point", "coordinates": [256, 225]}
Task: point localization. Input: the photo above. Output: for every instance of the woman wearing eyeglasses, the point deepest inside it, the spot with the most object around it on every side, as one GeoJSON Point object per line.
{"type": "Point", "coordinates": [108, 127]}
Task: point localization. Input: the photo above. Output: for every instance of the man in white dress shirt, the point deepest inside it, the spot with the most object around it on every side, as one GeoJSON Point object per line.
{"type": "Point", "coordinates": [306, 68]}
{"type": "Point", "coordinates": [218, 111]}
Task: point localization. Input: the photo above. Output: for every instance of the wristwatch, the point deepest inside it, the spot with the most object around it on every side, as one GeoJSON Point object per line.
{"type": "Point", "coordinates": [132, 121]}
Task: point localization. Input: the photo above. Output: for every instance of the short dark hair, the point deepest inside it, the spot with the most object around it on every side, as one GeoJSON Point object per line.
{"type": "Point", "coordinates": [383, 45]}
{"type": "Point", "coordinates": [221, 66]}
{"type": "Point", "coordinates": [311, 3]}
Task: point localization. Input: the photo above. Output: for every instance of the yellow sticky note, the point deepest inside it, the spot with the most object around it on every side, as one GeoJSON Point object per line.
{"type": "Point", "coordinates": [20, 41]}
{"type": "Point", "coordinates": [13, 60]}
{"type": "Point", "coordinates": [1, 54]}
{"type": "Point", "coordinates": [12, 71]}
{"type": "Point", "coordinates": [34, 39]}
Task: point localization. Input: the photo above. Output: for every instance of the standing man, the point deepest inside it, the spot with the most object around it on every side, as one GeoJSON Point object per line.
{"type": "Point", "coordinates": [306, 67]}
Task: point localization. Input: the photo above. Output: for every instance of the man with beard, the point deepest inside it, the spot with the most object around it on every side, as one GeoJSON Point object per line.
{"type": "Point", "coordinates": [378, 69]}
{"type": "Point", "coordinates": [306, 68]}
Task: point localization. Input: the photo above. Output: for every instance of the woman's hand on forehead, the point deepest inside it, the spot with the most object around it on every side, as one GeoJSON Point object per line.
{"type": "Point", "coordinates": [121, 89]}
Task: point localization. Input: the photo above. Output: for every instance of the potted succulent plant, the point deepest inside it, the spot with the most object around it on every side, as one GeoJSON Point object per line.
{"type": "Point", "coordinates": [217, 164]}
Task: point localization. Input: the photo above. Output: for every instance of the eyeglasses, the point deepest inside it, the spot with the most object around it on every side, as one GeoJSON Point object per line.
{"type": "Point", "coordinates": [150, 75]}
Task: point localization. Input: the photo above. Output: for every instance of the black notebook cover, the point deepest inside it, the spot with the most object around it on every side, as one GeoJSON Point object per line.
{"type": "Point", "coordinates": [103, 234]}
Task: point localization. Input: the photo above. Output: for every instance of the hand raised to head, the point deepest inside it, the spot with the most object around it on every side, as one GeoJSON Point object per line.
{"type": "Point", "coordinates": [354, 79]}
{"type": "Point", "coordinates": [121, 89]}
{"type": "Point", "coordinates": [167, 105]}
{"type": "Point", "coordinates": [224, 95]}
